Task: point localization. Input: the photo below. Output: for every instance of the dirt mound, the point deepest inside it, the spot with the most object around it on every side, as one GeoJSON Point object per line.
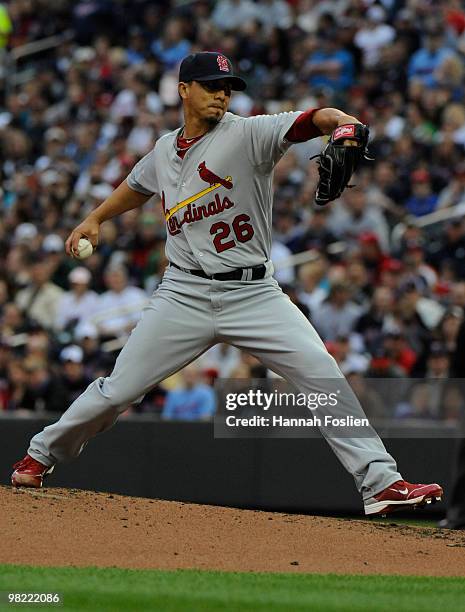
{"type": "Point", "coordinates": [73, 527]}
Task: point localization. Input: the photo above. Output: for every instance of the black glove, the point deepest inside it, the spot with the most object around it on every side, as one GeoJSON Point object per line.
{"type": "Point", "coordinates": [337, 161]}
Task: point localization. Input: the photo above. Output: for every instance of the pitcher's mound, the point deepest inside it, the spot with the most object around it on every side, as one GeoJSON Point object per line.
{"type": "Point", "coordinates": [72, 527]}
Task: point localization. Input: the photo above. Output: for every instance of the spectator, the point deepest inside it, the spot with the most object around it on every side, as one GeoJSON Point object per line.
{"type": "Point", "coordinates": [436, 397]}
{"type": "Point", "coordinates": [13, 397]}
{"type": "Point", "coordinates": [398, 351]}
{"type": "Point", "coordinates": [73, 376]}
{"type": "Point", "coordinates": [449, 249]}
{"type": "Point", "coordinates": [453, 124]}
{"type": "Point", "coordinates": [425, 62]}
{"type": "Point", "coordinates": [275, 14]}
{"type": "Point", "coordinates": [118, 309]}
{"type": "Point", "coordinates": [438, 365]}
{"type": "Point", "coordinates": [377, 319]}
{"type": "Point", "coordinates": [44, 390]}
{"type": "Point", "coordinates": [416, 266]}
{"type": "Point", "coordinates": [38, 347]}
{"type": "Point", "coordinates": [375, 35]}
{"type": "Point", "coordinates": [448, 328]}
{"type": "Point", "coordinates": [371, 401]}
{"type": "Point", "coordinates": [316, 234]}
{"type": "Point", "coordinates": [387, 191]}
{"type": "Point", "coordinates": [371, 255]}
{"type": "Point", "coordinates": [358, 276]}
{"type": "Point", "coordinates": [330, 65]}
{"type": "Point", "coordinates": [353, 217]}
{"type": "Point", "coordinates": [195, 401]}
{"type": "Point", "coordinates": [232, 14]}
{"type": "Point", "coordinates": [344, 350]}
{"type": "Point", "coordinates": [135, 51]}
{"type": "Point", "coordinates": [313, 286]}
{"type": "Point", "coordinates": [338, 314]}
{"type": "Point", "coordinates": [391, 273]}
{"type": "Point", "coordinates": [422, 201]}
{"type": "Point", "coordinates": [457, 295]}
{"type": "Point", "coordinates": [96, 361]}
{"type": "Point", "coordinates": [444, 337]}
{"type": "Point", "coordinates": [78, 303]}
{"type": "Point", "coordinates": [419, 404]}
{"type": "Point", "coordinates": [172, 46]}
{"type": "Point", "coordinates": [454, 192]}
{"type": "Point", "coordinates": [224, 358]}
{"type": "Point", "coordinates": [39, 299]}
{"type": "Point", "coordinates": [418, 314]}
{"type": "Point", "coordinates": [12, 322]}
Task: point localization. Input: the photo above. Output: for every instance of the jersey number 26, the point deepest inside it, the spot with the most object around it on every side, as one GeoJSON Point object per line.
{"type": "Point", "coordinates": [243, 232]}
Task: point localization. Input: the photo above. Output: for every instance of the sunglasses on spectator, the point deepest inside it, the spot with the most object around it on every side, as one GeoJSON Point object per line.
{"type": "Point", "coordinates": [216, 85]}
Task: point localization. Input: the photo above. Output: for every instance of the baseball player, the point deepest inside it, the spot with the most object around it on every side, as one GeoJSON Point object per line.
{"type": "Point", "coordinates": [214, 177]}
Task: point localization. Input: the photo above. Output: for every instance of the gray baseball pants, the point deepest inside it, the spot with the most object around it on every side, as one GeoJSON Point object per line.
{"type": "Point", "coordinates": [187, 315]}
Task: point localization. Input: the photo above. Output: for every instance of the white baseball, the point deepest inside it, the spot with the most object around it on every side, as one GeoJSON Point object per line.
{"type": "Point", "coordinates": [85, 249]}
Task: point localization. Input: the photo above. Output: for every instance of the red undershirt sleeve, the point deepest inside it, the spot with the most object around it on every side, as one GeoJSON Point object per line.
{"type": "Point", "coordinates": [303, 128]}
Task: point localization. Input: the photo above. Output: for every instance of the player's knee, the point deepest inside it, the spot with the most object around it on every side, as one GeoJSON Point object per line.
{"type": "Point", "coordinates": [327, 365]}
{"type": "Point", "coordinates": [117, 396]}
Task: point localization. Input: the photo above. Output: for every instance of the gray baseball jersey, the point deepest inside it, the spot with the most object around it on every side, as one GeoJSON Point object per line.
{"type": "Point", "coordinates": [217, 203]}
{"type": "Point", "coordinates": [218, 199]}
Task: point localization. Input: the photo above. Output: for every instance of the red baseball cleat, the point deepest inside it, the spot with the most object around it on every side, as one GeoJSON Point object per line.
{"type": "Point", "coordinates": [402, 494]}
{"type": "Point", "coordinates": [29, 473]}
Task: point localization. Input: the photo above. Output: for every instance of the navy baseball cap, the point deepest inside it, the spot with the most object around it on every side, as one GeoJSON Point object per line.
{"type": "Point", "coordinates": [209, 66]}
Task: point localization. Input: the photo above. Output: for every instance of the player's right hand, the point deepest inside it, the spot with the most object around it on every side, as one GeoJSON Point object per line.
{"type": "Point", "coordinates": [89, 229]}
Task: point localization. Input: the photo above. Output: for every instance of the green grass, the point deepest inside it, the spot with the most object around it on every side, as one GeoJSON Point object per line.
{"type": "Point", "coordinates": [191, 590]}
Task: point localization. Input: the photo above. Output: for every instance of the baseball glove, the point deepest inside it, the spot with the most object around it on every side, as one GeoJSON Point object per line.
{"type": "Point", "coordinates": [339, 160]}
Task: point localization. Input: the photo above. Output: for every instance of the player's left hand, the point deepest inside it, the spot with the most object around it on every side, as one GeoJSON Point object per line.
{"type": "Point", "coordinates": [339, 160]}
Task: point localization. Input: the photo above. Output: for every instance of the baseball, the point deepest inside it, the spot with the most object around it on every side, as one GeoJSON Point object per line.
{"type": "Point", "coordinates": [85, 249]}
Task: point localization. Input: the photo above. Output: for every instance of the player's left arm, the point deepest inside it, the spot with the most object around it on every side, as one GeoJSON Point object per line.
{"type": "Point", "coordinates": [318, 122]}
{"type": "Point", "coordinates": [328, 119]}
{"type": "Point", "coordinates": [267, 137]}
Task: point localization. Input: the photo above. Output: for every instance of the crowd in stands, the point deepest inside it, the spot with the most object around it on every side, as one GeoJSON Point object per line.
{"type": "Point", "coordinates": [383, 284]}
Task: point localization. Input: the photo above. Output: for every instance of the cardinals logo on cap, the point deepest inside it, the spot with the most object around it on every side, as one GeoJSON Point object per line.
{"type": "Point", "coordinates": [222, 63]}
